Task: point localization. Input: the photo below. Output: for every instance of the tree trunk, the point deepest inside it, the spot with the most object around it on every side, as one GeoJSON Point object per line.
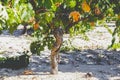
{"type": "Point", "coordinates": [58, 34]}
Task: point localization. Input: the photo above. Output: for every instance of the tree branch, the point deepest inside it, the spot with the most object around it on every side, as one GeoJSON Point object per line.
{"type": "Point", "coordinates": [73, 23]}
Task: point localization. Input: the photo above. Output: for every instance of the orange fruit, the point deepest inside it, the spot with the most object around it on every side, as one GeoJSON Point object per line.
{"type": "Point", "coordinates": [75, 16]}
{"type": "Point", "coordinates": [97, 11]}
{"type": "Point", "coordinates": [85, 6]}
{"type": "Point", "coordinates": [92, 24]}
{"type": "Point", "coordinates": [36, 26]}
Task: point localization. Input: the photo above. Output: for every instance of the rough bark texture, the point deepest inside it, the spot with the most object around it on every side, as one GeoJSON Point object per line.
{"type": "Point", "coordinates": [58, 34]}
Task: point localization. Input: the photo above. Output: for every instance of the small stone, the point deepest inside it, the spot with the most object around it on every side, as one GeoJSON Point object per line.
{"type": "Point", "coordinates": [77, 59]}
{"type": "Point", "coordinates": [45, 61]}
{"type": "Point", "coordinates": [90, 62]}
{"type": "Point", "coordinates": [89, 74]}
{"type": "Point", "coordinates": [63, 62]}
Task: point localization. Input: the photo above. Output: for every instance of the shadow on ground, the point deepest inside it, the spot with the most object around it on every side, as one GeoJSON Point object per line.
{"type": "Point", "coordinates": [102, 64]}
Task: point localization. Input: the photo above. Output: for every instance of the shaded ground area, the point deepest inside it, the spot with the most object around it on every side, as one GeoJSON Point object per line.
{"type": "Point", "coordinates": [72, 66]}
{"type": "Point", "coordinates": [92, 63]}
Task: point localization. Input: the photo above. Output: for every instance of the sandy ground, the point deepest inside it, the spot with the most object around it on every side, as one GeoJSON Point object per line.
{"type": "Point", "coordinates": [74, 65]}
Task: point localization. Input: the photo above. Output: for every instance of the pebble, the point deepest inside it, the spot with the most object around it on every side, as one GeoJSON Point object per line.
{"type": "Point", "coordinates": [64, 61]}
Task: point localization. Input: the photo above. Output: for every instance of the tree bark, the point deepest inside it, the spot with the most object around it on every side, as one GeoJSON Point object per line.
{"type": "Point", "coordinates": [58, 34]}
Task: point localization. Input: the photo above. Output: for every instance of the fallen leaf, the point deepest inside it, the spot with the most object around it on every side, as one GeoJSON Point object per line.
{"type": "Point", "coordinates": [28, 72]}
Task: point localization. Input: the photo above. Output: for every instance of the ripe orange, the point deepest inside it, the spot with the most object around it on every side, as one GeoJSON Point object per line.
{"type": "Point", "coordinates": [85, 6]}
{"type": "Point", "coordinates": [36, 26]}
{"type": "Point", "coordinates": [92, 24]}
{"type": "Point", "coordinates": [75, 16]}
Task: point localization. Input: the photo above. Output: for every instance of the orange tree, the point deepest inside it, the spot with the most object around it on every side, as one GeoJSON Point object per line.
{"type": "Point", "coordinates": [57, 17]}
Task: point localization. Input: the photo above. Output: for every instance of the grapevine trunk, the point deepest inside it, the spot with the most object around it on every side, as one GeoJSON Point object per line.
{"type": "Point", "coordinates": [58, 34]}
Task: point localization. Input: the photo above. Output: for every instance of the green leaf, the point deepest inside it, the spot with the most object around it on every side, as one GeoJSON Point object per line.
{"type": "Point", "coordinates": [48, 3]}
{"type": "Point", "coordinates": [13, 28]}
{"type": "Point", "coordinates": [35, 47]}
{"type": "Point", "coordinates": [118, 23]}
{"type": "Point", "coordinates": [72, 3]}
{"type": "Point", "coordinates": [49, 16]}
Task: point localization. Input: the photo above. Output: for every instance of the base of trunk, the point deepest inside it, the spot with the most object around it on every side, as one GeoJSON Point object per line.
{"type": "Point", "coordinates": [54, 64]}
{"type": "Point", "coordinates": [54, 71]}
